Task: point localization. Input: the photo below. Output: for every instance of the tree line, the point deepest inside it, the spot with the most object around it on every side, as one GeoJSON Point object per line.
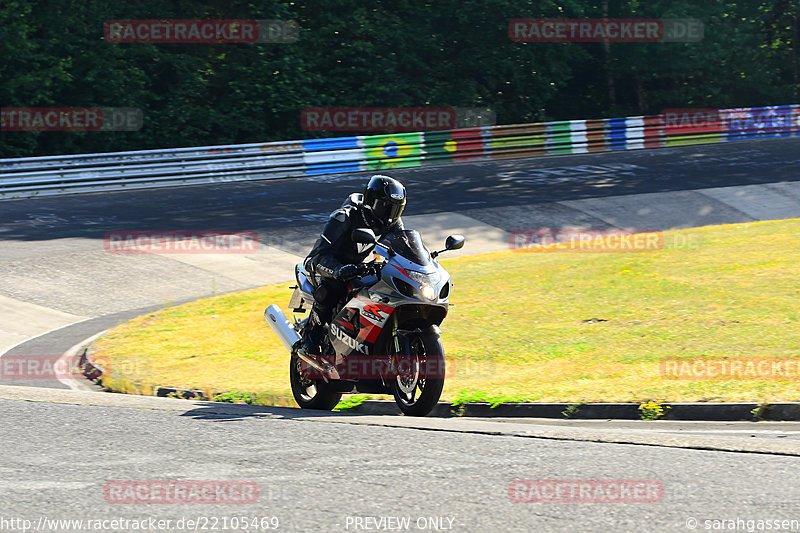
{"type": "Point", "coordinates": [399, 53]}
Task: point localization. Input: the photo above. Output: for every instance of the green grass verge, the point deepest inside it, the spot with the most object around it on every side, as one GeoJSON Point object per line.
{"type": "Point", "coordinates": [529, 325]}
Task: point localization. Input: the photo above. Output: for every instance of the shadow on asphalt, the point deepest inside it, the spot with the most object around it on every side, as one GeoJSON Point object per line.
{"type": "Point", "coordinates": [223, 411]}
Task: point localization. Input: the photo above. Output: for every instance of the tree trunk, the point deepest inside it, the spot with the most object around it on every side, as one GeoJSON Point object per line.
{"type": "Point", "coordinates": [794, 56]}
{"type": "Point", "coordinates": [609, 66]}
{"type": "Point", "coordinates": [641, 95]}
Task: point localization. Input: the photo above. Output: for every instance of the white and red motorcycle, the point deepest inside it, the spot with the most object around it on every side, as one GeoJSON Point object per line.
{"type": "Point", "coordinates": [385, 339]}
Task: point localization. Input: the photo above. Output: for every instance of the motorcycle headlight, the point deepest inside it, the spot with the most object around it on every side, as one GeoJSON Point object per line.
{"type": "Point", "coordinates": [422, 277]}
{"type": "Point", "coordinates": [428, 291]}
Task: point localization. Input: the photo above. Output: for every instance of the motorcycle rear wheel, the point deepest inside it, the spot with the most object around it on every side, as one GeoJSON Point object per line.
{"type": "Point", "coordinates": [310, 393]}
{"type": "Point", "coordinates": [415, 393]}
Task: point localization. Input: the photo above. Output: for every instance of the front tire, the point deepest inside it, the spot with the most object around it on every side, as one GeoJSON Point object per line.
{"type": "Point", "coordinates": [418, 387]}
{"type": "Point", "coordinates": [310, 393]}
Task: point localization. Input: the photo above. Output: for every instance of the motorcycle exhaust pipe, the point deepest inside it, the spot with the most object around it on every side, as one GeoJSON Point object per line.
{"type": "Point", "coordinates": [287, 334]}
{"type": "Point", "coordinates": [281, 326]}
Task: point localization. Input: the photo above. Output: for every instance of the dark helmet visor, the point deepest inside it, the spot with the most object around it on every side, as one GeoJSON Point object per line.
{"type": "Point", "coordinates": [388, 212]}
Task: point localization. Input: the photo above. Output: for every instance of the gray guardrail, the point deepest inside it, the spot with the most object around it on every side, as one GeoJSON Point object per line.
{"type": "Point", "coordinates": [70, 174]}
{"type": "Point", "coordinates": [41, 176]}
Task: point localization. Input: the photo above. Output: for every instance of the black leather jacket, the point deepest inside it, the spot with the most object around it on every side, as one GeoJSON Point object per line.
{"type": "Point", "coordinates": [335, 246]}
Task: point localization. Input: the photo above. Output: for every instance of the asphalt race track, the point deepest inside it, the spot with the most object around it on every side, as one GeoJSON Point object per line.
{"type": "Point", "coordinates": [320, 472]}
{"type": "Point", "coordinates": [274, 205]}
{"type": "Point", "coordinates": [324, 472]}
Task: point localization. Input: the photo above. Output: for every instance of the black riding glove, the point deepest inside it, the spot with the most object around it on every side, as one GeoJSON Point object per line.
{"type": "Point", "coordinates": [347, 272]}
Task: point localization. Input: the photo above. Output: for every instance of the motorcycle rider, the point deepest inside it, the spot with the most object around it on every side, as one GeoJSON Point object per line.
{"type": "Point", "coordinates": [335, 258]}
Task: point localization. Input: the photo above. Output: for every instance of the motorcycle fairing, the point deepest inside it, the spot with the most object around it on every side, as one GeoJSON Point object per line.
{"type": "Point", "coordinates": [304, 292]}
{"type": "Point", "coordinates": [361, 321]}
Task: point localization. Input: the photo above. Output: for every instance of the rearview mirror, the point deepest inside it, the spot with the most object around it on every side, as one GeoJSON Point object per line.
{"type": "Point", "coordinates": [364, 236]}
{"type": "Point", "coordinates": [454, 242]}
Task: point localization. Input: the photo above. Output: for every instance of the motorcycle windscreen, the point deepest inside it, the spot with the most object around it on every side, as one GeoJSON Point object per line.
{"type": "Point", "coordinates": [408, 243]}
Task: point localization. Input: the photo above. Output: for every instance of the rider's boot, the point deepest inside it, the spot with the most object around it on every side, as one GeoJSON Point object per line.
{"type": "Point", "coordinates": [313, 335]}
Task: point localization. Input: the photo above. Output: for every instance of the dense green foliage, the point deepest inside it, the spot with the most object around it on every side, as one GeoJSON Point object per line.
{"type": "Point", "coordinates": [380, 53]}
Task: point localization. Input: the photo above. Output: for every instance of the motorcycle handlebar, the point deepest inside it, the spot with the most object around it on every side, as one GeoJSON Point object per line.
{"type": "Point", "coordinates": [373, 267]}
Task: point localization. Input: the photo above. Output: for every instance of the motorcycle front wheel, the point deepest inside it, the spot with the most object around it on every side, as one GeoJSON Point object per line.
{"type": "Point", "coordinates": [420, 377]}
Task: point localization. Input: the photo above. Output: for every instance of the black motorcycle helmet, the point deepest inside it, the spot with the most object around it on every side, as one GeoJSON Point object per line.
{"type": "Point", "coordinates": [384, 201]}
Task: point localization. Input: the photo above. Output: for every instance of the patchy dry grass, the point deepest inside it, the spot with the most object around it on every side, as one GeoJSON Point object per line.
{"type": "Point", "coordinates": [534, 326]}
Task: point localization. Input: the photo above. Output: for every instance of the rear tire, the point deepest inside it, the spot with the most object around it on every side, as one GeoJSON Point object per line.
{"type": "Point", "coordinates": [311, 393]}
{"type": "Point", "coordinates": [415, 393]}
